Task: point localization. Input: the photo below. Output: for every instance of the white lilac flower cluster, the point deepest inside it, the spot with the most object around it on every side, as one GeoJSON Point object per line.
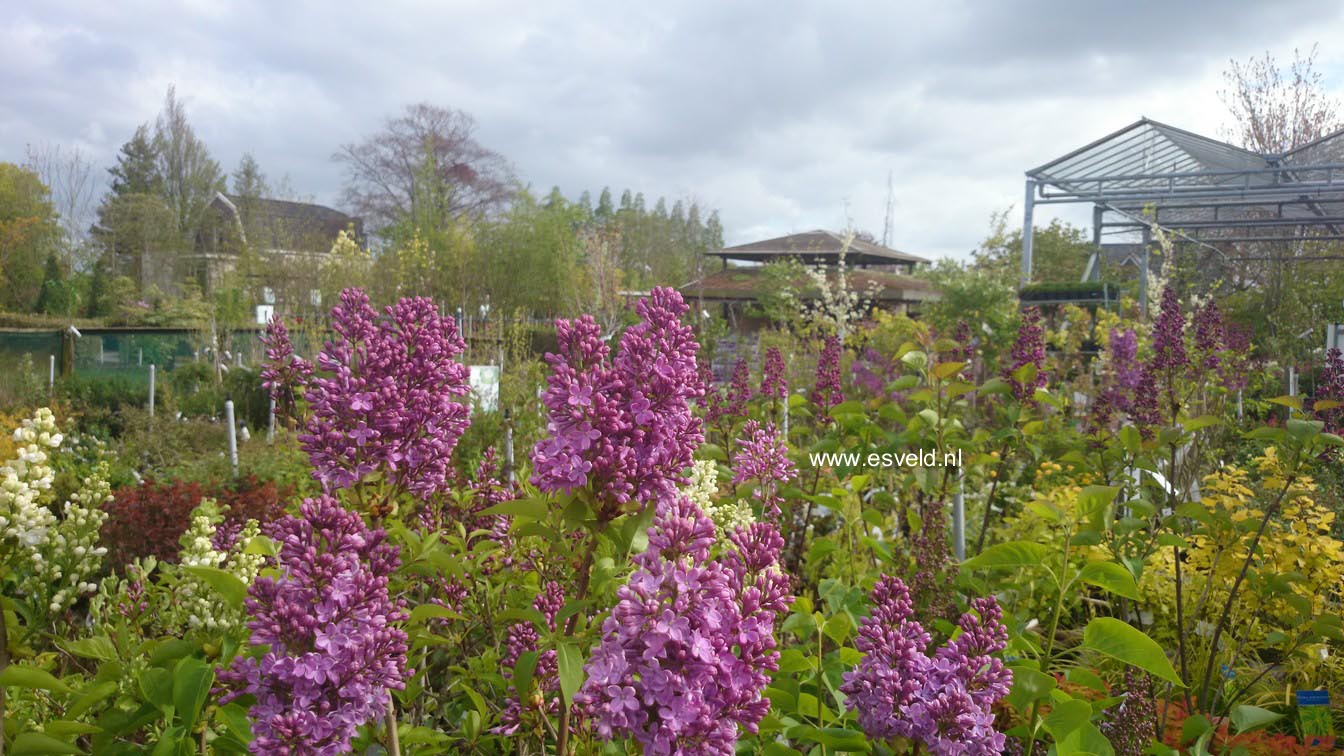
{"type": "Point", "coordinates": [195, 605]}
{"type": "Point", "coordinates": [25, 484]}
{"type": "Point", "coordinates": [72, 553]}
{"type": "Point", "coordinates": [728, 513]}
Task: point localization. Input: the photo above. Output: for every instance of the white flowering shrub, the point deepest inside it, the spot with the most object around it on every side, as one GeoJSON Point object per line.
{"type": "Point", "coordinates": [194, 604]}
{"type": "Point", "coordinates": [728, 512]}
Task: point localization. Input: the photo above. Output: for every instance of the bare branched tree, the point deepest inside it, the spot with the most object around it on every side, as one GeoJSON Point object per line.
{"type": "Point", "coordinates": [190, 176]}
{"type": "Point", "coordinates": [426, 167]}
{"type": "Point", "coordinates": [74, 186]}
{"type": "Point", "coordinates": [1276, 109]}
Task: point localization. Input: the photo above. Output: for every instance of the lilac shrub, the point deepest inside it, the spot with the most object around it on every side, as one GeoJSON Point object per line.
{"type": "Point", "coordinates": [942, 701]}
{"type": "Point", "coordinates": [686, 653]}
{"type": "Point", "coordinates": [764, 458]}
{"type": "Point", "coordinates": [389, 399]}
{"type": "Point", "coordinates": [621, 427]}
{"type": "Point", "coordinates": [330, 650]}
{"type": "Point", "coordinates": [774, 386]}
{"type": "Point", "coordinates": [1028, 349]}
{"type": "Point", "coordinates": [827, 392]}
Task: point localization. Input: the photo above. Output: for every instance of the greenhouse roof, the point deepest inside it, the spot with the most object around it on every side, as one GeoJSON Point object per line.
{"type": "Point", "coordinates": [1200, 189]}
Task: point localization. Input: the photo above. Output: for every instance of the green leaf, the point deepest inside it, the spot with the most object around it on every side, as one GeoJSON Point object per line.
{"type": "Point", "coordinates": [1203, 421]}
{"type": "Point", "coordinates": [838, 628]}
{"type": "Point", "coordinates": [946, 369]}
{"type": "Point", "coordinates": [1067, 717]}
{"type": "Point", "coordinates": [571, 671]}
{"type": "Point", "coordinates": [838, 738]}
{"type": "Point", "coordinates": [1112, 577]}
{"type": "Point", "coordinates": [225, 583]}
{"type": "Point", "coordinates": [19, 676]}
{"type": "Point", "coordinates": [192, 679]}
{"type": "Point", "coordinates": [156, 684]}
{"type": "Point", "coordinates": [63, 728]}
{"type": "Point", "coordinates": [1086, 740]}
{"type": "Point", "coordinates": [98, 647]}
{"type": "Point", "coordinates": [523, 671]}
{"type": "Point", "coordinates": [1120, 641]}
{"type": "Point", "coordinates": [1294, 402]}
{"type": "Point", "coordinates": [1195, 727]}
{"type": "Point", "coordinates": [535, 507]}
{"type": "Point", "coordinates": [1094, 500]}
{"type": "Point", "coordinates": [425, 612]}
{"type": "Point", "coordinates": [1008, 555]}
{"type": "Point", "coordinates": [915, 359]}
{"type": "Point", "coordinates": [1246, 718]}
{"type": "Point", "coordinates": [34, 743]}
{"type": "Point", "coordinates": [1029, 685]}
{"type": "Point", "coordinates": [995, 386]}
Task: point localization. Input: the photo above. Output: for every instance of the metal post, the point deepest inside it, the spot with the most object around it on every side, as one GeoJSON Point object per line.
{"type": "Point", "coordinates": [233, 436]}
{"type": "Point", "coordinates": [1028, 230]}
{"type": "Point", "coordinates": [51, 375]}
{"type": "Point", "coordinates": [959, 517]}
{"type": "Point", "coordinates": [1239, 410]}
{"type": "Point", "coordinates": [1094, 266]}
{"type": "Point", "coordinates": [1143, 275]}
{"type": "Point", "coordinates": [270, 423]}
{"type": "Point", "coordinates": [140, 358]}
{"type": "Point", "coordinates": [508, 447]}
{"type": "Point", "coordinates": [151, 391]}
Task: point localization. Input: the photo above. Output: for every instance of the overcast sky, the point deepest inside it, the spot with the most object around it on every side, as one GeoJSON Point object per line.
{"type": "Point", "coordinates": [785, 116]}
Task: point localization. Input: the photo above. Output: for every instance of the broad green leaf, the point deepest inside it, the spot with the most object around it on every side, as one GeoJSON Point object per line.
{"type": "Point", "coordinates": [1008, 556]}
{"type": "Point", "coordinates": [915, 359]}
{"type": "Point", "coordinates": [535, 507]}
{"type": "Point", "coordinates": [1112, 577]}
{"type": "Point", "coordinates": [837, 738]}
{"type": "Point", "coordinates": [62, 728]}
{"type": "Point", "coordinates": [98, 647]}
{"type": "Point", "coordinates": [1201, 422]}
{"type": "Point", "coordinates": [425, 612]}
{"type": "Point", "coordinates": [1294, 402]}
{"type": "Point", "coordinates": [191, 687]}
{"type": "Point", "coordinates": [35, 743]}
{"type": "Point", "coordinates": [19, 676]}
{"type": "Point", "coordinates": [838, 628]}
{"type": "Point", "coordinates": [1029, 685]}
{"type": "Point", "coordinates": [1120, 641]}
{"type": "Point", "coordinates": [156, 684]}
{"type": "Point", "coordinates": [225, 583]}
{"type": "Point", "coordinates": [523, 671]}
{"type": "Point", "coordinates": [946, 369]}
{"type": "Point", "coordinates": [1087, 740]}
{"type": "Point", "coordinates": [1246, 718]}
{"type": "Point", "coordinates": [1066, 717]}
{"type": "Point", "coordinates": [1094, 500]}
{"type": "Point", "coordinates": [571, 672]}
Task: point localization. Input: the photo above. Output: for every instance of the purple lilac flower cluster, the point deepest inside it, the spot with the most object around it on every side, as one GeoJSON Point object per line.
{"type": "Point", "coordinates": [932, 577]}
{"type": "Point", "coordinates": [622, 426]}
{"type": "Point", "coordinates": [1233, 369]}
{"type": "Point", "coordinates": [762, 456]}
{"type": "Point", "coordinates": [1169, 334]}
{"type": "Point", "coordinates": [1131, 726]}
{"type": "Point", "coordinates": [388, 399]}
{"type": "Point", "coordinates": [961, 334]}
{"type": "Point", "coordinates": [773, 384]}
{"type": "Point", "coordinates": [328, 627]}
{"type": "Point", "coordinates": [522, 638]}
{"type": "Point", "coordinates": [1028, 349]}
{"type": "Point", "coordinates": [873, 371]}
{"type": "Point", "coordinates": [686, 653]}
{"type": "Point", "coordinates": [1209, 336]}
{"type": "Point", "coordinates": [284, 373]}
{"type": "Point", "coordinates": [1116, 394]}
{"type": "Point", "coordinates": [827, 392]}
{"type": "Point", "coordinates": [942, 701]}
{"type": "Point", "coordinates": [739, 389]}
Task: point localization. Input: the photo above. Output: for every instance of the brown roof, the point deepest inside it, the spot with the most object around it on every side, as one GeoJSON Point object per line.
{"type": "Point", "coordinates": [745, 284]}
{"type": "Point", "coordinates": [285, 224]}
{"type": "Point", "coordinates": [819, 247]}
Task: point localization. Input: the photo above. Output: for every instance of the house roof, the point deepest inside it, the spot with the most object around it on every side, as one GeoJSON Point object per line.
{"type": "Point", "coordinates": [818, 247]}
{"type": "Point", "coordinates": [745, 284]}
{"type": "Point", "coordinates": [290, 225]}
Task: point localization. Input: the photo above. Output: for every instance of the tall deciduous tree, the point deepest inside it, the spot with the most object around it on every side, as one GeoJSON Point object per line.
{"type": "Point", "coordinates": [190, 177]}
{"type": "Point", "coordinates": [69, 175]}
{"type": "Point", "coordinates": [425, 167]}
{"type": "Point", "coordinates": [28, 235]}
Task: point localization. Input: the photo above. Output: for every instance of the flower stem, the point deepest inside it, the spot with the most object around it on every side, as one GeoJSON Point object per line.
{"type": "Point", "coordinates": [393, 738]}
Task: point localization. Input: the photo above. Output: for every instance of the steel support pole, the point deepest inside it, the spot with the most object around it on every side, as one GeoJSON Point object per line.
{"type": "Point", "coordinates": [1143, 274]}
{"type": "Point", "coordinates": [1098, 213]}
{"type": "Point", "coordinates": [959, 517]}
{"type": "Point", "coordinates": [151, 391]}
{"type": "Point", "coordinates": [233, 436]}
{"type": "Point", "coordinates": [1028, 230]}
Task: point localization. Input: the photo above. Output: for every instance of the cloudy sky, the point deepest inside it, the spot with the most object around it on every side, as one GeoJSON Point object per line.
{"type": "Point", "coordinates": [785, 116]}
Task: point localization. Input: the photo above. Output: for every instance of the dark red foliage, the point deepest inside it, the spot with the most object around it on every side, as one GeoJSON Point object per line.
{"type": "Point", "coordinates": [149, 519]}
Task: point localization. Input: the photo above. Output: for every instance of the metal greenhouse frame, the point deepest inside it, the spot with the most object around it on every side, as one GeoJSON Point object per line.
{"type": "Point", "coordinates": [1198, 190]}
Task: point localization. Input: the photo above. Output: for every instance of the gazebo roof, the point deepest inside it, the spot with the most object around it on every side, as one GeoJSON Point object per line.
{"type": "Point", "coordinates": [818, 247]}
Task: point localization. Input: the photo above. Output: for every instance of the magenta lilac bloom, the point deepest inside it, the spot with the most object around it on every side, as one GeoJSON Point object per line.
{"type": "Point", "coordinates": [1209, 336]}
{"type": "Point", "coordinates": [739, 390]}
{"type": "Point", "coordinates": [522, 638]}
{"type": "Point", "coordinates": [333, 650]}
{"type": "Point", "coordinates": [686, 653]}
{"type": "Point", "coordinates": [773, 384]}
{"type": "Point", "coordinates": [942, 701]}
{"type": "Point", "coordinates": [1332, 389]}
{"type": "Point", "coordinates": [284, 374]}
{"type": "Point", "coordinates": [1169, 334]}
{"type": "Point", "coordinates": [762, 456]}
{"type": "Point", "coordinates": [389, 396]}
{"type": "Point", "coordinates": [1028, 349]}
{"type": "Point", "coordinates": [622, 426]}
{"type": "Point", "coordinates": [827, 393]}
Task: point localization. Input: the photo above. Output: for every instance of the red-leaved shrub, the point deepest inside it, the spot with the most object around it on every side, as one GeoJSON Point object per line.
{"type": "Point", "coordinates": [149, 519]}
